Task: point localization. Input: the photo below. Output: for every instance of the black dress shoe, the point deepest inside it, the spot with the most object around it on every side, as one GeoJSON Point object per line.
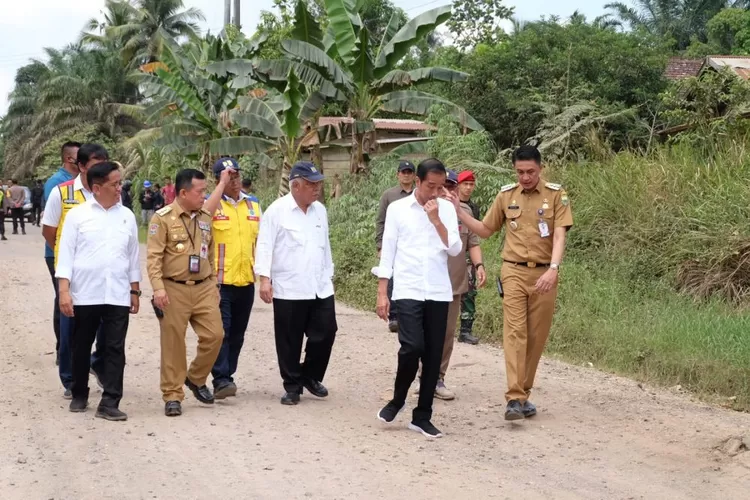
{"type": "Point", "coordinates": [110, 413]}
{"type": "Point", "coordinates": [202, 393]}
{"type": "Point", "coordinates": [468, 338]}
{"type": "Point", "coordinates": [290, 398]}
{"type": "Point", "coordinates": [173, 409]}
{"type": "Point", "coordinates": [78, 405]}
{"type": "Point", "coordinates": [316, 388]}
{"type": "Point", "coordinates": [514, 410]}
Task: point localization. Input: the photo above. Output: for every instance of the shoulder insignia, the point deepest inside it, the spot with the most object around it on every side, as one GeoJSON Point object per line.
{"type": "Point", "coordinates": [553, 186]}
{"type": "Point", "coordinates": [164, 211]}
{"type": "Point", "coordinates": [508, 187]}
{"type": "Point", "coordinates": [205, 212]}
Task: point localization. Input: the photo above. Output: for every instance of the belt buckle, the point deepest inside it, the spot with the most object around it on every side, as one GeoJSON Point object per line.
{"type": "Point", "coordinates": [190, 282]}
{"type": "Point", "coordinates": [531, 264]}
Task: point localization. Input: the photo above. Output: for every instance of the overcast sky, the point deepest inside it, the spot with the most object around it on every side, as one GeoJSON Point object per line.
{"type": "Point", "coordinates": [26, 27]}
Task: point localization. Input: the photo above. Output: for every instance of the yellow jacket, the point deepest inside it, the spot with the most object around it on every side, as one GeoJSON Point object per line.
{"type": "Point", "coordinates": [71, 198]}
{"type": "Point", "coordinates": [235, 231]}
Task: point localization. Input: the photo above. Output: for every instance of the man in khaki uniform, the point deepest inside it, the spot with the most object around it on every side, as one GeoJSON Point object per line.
{"type": "Point", "coordinates": [460, 283]}
{"type": "Point", "coordinates": [180, 267]}
{"type": "Point", "coordinates": [536, 215]}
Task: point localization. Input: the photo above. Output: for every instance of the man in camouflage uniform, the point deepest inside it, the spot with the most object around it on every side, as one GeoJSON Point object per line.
{"type": "Point", "coordinates": [466, 185]}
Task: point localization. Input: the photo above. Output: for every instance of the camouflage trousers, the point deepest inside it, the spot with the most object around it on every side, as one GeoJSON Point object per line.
{"type": "Point", "coordinates": [468, 307]}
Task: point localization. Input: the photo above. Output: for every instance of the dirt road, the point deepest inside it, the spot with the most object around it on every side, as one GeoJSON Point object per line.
{"type": "Point", "coordinates": [596, 436]}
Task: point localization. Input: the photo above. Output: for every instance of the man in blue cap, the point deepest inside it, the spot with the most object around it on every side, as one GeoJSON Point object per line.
{"type": "Point", "coordinates": [295, 268]}
{"type": "Point", "coordinates": [235, 224]}
{"type": "Point", "coordinates": [147, 203]}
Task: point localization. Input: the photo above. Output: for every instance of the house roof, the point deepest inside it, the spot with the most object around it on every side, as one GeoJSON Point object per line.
{"type": "Point", "coordinates": [380, 123]}
{"type": "Point", "coordinates": [739, 64]}
{"type": "Point", "coordinates": [682, 67]}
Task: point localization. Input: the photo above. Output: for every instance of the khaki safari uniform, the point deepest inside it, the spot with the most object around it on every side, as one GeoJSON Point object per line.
{"type": "Point", "coordinates": [527, 315]}
{"type": "Point", "coordinates": [460, 284]}
{"type": "Point", "coordinates": [173, 236]}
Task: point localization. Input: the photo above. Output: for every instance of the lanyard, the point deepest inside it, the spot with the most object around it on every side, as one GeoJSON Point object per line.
{"type": "Point", "coordinates": [195, 223]}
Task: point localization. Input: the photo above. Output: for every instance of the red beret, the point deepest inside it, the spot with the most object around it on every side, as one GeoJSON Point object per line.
{"type": "Point", "coordinates": [466, 176]}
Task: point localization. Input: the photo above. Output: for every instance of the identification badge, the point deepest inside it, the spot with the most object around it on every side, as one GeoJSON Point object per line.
{"type": "Point", "coordinates": [195, 264]}
{"type": "Point", "coordinates": [205, 226]}
{"type": "Point", "coordinates": [543, 229]}
{"type": "Point", "coordinates": [204, 250]}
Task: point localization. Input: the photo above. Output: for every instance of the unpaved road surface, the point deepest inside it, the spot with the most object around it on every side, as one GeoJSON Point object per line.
{"type": "Point", "coordinates": [596, 436]}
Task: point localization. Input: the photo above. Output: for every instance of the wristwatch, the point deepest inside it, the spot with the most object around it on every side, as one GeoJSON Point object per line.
{"type": "Point", "coordinates": [554, 266]}
{"type": "Point", "coordinates": [136, 292]}
{"type": "Point", "coordinates": [477, 266]}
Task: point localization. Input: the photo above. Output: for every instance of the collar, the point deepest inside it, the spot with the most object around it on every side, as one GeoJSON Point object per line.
{"type": "Point", "coordinates": [538, 187]}
{"type": "Point", "coordinates": [292, 204]}
{"type": "Point", "coordinates": [94, 202]}
{"type": "Point", "coordinates": [407, 192]}
{"type": "Point", "coordinates": [412, 198]}
{"type": "Point", "coordinates": [242, 197]}
{"type": "Point", "coordinates": [78, 185]}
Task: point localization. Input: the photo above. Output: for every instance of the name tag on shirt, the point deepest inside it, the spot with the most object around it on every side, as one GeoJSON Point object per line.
{"type": "Point", "coordinates": [220, 217]}
{"type": "Point", "coordinates": [254, 218]}
{"type": "Point", "coordinates": [543, 229]}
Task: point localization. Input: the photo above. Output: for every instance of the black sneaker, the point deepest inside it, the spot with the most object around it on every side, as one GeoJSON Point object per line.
{"type": "Point", "coordinates": [514, 410]}
{"type": "Point", "coordinates": [393, 326]}
{"type": "Point", "coordinates": [468, 338]}
{"type": "Point", "coordinates": [96, 376]}
{"type": "Point", "coordinates": [78, 405]}
{"type": "Point", "coordinates": [110, 413]}
{"type": "Point", "coordinates": [224, 391]}
{"type": "Point", "coordinates": [528, 409]}
{"type": "Point", "coordinates": [426, 428]}
{"type": "Point", "coordinates": [389, 412]}
{"type": "Point", "coordinates": [172, 409]}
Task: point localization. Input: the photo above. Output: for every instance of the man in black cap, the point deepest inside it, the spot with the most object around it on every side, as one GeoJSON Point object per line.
{"type": "Point", "coordinates": [405, 186]}
{"type": "Point", "coordinates": [294, 264]}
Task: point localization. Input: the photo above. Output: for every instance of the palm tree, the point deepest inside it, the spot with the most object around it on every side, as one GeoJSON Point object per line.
{"type": "Point", "coordinates": [345, 64]}
{"type": "Point", "coordinates": [150, 24]}
{"type": "Point", "coordinates": [677, 19]}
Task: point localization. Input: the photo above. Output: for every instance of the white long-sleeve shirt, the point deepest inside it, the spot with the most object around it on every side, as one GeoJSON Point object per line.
{"type": "Point", "coordinates": [294, 251]}
{"type": "Point", "coordinates": [413, 253]}
{"type": "Point", "coordinates": [99, 254]}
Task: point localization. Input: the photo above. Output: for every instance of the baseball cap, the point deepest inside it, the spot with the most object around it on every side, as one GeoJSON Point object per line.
{"type": "Point", "coordinates": [451, 177]}
{"type": "Point", "coordinates": [305, 170]}
{"type": "Point", "coordinates": [466, 176]}
{"type": "Point", "coordinates": [223, 163]}
{"type": "Point", "coordinates": [406, 165]}
{"type": "Point", "coordinates": [147, 184]}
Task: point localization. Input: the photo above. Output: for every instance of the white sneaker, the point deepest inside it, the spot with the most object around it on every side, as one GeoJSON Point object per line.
{"type": "Point", "coordinates": [442, 392]}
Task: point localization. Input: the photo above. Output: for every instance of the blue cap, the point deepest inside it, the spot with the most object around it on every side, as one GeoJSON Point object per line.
{"type": "Point", "coordinates": [147, 184]}
{"type": "Point", "coordinates": [451, 177]}
{"type": "Point", "coordinates": [305, 170]}
{"type": "Point", "coordinates": [406, 165]}
{"type": "Point", "coordinates": [223, 163]}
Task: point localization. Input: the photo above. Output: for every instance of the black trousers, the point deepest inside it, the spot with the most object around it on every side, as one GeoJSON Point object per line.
{"type": "Point", "coordinates": [292, 320]}
{"type": "Point", "coordinates": [114, 326]}
{"type": "Point", "coordinates": [37, 211]}
{"type": "Point", "coordinates": [17, 214]}
{"type": "Point", "coordinates": [56, 307]}
{"type": "Point", "coordinates": [2, 221]}
{"type": "Point", "coordinates": [421, 332]}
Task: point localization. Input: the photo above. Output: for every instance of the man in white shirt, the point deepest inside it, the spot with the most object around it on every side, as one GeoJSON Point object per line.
{"type": "Point", "coordinates": [99, 274]}
{"type": "Point", "coordinates": [62, 199]}
{"type": "Point", "coordinates": [421, 231]}
{"type": "Point", "coordinates": [294, 263]}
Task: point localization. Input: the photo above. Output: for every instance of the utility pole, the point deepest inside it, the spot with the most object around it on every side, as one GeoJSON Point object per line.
{"type": "Point", "coordinates": [227, 8]}
{"type": "Point", "coordinates": [237, 13]}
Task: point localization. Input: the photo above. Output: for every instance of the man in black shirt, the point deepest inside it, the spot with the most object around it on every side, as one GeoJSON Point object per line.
{"type": "Point", "coordinates": [147, 203]}
{"type": "Point", "coordinates": [37, 197]}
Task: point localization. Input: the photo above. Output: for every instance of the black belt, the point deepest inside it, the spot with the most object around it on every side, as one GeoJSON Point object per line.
{"type": "Point", "coordinates": [189, 282]}
{"type": "Point", "coordinates": [527, 264]}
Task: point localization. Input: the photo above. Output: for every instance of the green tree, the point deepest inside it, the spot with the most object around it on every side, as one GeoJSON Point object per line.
{"type": "Point", "coordinates": [478, 21]}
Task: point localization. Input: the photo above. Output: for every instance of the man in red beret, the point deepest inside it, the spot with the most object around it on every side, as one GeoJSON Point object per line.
{"type": "Point", "coordinates": [466, 185]}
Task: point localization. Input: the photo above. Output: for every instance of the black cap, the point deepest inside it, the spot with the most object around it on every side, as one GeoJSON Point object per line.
{"type": "Point", "coordinates": [223, 163]}
{"type": "Point", "coordinates": [406, 165]}
{"type": "Point", "coordinates": [305, 170]}
{"type": "Point", "coordinates": [451, 176]}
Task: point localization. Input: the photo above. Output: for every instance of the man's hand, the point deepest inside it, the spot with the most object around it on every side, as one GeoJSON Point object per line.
{"type": "Point", "coordinates": [225, 176]}
{"type": "Point", "coordinates": [431, 208]}
{"type": "Point", "coordinates": [384, 306]}
{"type": "Point", "coordinates": [546, 282]}
{"type": "Point", "coordinates": [135, 304]}
{"type": "Point", "coordinates": [66, 304]}
{"type": "Point", "coordinates": [452, 196]}
{"type": "Point", "coordinates": [160, 299]}
{"type": "Point", "coordinates": [266, 290]}
{"type": "Point", "coordinates": [481, 277]}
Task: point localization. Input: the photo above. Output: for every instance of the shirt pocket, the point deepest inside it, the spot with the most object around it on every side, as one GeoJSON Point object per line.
{"type": "Point", "coordinates": [221, 225]}
{"type": "Point", "coordinates": [294, 238]}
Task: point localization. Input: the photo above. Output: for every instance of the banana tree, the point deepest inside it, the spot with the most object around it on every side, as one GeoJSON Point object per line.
{"type": "Point", "coordinates": [189, 102]}
{"type": "Point", "coordinates": [363, 73]}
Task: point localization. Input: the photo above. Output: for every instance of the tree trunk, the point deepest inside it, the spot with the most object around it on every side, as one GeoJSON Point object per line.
{"type": "Point", "coordinates": [357, 163]}
{"type": "Point", "coordinates": [286, 169]}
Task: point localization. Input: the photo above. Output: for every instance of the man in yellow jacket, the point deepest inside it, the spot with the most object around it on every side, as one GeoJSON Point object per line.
{"type": "Point", "coordinates": [235, 224]}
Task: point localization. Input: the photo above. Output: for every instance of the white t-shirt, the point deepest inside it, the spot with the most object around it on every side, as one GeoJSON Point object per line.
{"type": "Point", "coordinates": [53, 208]}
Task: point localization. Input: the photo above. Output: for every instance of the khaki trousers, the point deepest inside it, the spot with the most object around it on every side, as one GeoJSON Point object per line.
{"type": "Point", "coordinates": [527, 318]}
{"type": "Point", "coordinates": [454, 309]}
{"type": "Point", "coordinates": [199, 306]}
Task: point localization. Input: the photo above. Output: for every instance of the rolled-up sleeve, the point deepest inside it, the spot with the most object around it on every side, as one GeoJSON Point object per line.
{"type": "Point", "coordinates": [388, 249]}
{"type": "Point", "coordinates": [450, 221]}
{"type": "Point", "coordinates": [52, 209]}
{"type": "Point", "coordinates": [265, 244]}
{"type": "Point", "coordinates": [134, 270]}
{"type": "Point", "coordinates": [67, 249]}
